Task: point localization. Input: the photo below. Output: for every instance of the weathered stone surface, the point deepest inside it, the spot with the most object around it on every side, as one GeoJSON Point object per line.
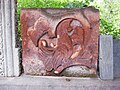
{"type": "Point", "coordinates": [78, 71]}
{"type": "Point", "coordinates": [55, 39]}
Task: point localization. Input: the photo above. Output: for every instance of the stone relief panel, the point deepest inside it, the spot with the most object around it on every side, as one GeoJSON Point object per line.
{"type": "Point", "coordinates": [56, 39]}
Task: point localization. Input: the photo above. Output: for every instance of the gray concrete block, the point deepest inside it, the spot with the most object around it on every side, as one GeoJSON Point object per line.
{"type": "Point", "coordinates": [116, 56]}
{"type": "Point", "coordinates": [106, 57]}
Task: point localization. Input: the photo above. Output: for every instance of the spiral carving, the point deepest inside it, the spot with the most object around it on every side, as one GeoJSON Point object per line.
{"type": "Point", "coordinates": [64, 47]}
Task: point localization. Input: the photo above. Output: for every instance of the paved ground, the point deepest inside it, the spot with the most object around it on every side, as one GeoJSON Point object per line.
{"type": "Point", "coordinates": [25, 82]}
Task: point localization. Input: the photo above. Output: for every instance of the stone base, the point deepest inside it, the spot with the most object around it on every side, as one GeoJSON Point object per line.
{"type": "Point", "coordinates": [79, 71]}
{"type": "Point", "coordinates": [26, 82]}
{"type": "Point", "coordinates": [73, 71]}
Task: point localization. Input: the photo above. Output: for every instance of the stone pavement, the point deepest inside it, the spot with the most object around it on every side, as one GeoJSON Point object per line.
{"type": "Point", "coordinates": [26, 82]}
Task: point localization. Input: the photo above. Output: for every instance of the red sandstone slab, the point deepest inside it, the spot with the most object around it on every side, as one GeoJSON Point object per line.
{"type": "Point", "coordinates": [55, 39]}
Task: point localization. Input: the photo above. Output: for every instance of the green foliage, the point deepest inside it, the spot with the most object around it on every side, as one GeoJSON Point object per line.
{"type": "Point", "coordinates": [109, 17]}
{"type": "Point", "coordinates": [109, 11]}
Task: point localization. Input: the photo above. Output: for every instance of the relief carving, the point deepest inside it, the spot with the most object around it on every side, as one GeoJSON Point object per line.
{"type": "Point", "coordinates": [55, 39]}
